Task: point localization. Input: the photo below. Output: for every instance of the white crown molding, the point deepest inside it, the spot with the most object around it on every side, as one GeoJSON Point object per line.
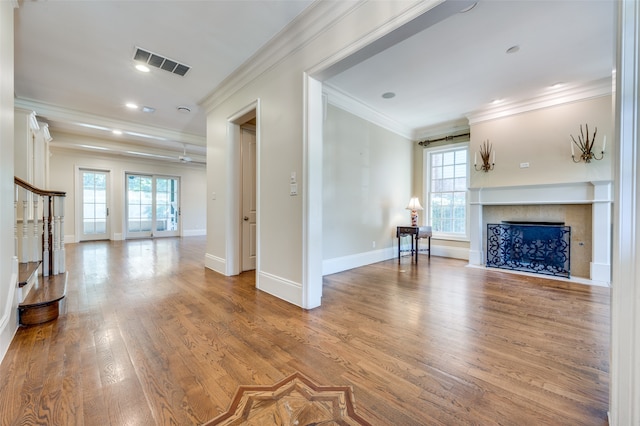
{"type": "Point", "coordinates": [298, 33]}
{"type": "Point", "coordinates": [352, 105]}
{"type": "Point", "coordinates": [442, 129]}
{"type": "Point", "coordinates": [78, 118]}
{"type": "Point", "coordinates": [594, 89]}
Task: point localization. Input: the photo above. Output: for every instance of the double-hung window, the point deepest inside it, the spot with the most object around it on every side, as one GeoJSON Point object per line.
{"type": "Point", "coordinates": [446, 182]}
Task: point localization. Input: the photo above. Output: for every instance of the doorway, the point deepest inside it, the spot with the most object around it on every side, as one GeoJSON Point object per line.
{"type": "Point", "coordinates": [94, 204]}
{"type": "Point", "coordinates": [249, 208]}
{"type": "Point", "coordinates": [152, 206]}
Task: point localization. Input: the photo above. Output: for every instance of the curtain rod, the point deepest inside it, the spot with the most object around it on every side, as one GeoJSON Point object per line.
{"type": "Point", "coordinates": [426, 142]}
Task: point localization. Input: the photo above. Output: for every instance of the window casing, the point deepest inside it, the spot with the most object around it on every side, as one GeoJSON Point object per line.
{"type": "Point", "coordinates": [446, 180]}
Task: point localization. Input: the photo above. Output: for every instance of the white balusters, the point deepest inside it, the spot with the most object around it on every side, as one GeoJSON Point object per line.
{"type": "Point", "coordinates": [24, 255]}
{"type": "Point", "coordinates": [46, 208]}
{"type": "Point", "coordinates": [35, 234]}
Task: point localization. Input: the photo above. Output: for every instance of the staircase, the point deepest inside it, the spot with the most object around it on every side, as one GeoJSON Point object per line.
{"type": "Point", "coordinates": [39, 246]}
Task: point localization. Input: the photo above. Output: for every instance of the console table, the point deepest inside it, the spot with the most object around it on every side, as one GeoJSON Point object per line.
{"type": "Point", "coordinates": [416, 233]}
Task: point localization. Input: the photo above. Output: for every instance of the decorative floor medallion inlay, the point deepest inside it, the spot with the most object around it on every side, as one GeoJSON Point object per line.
{"type": "Point", "coordinates": [294, 401]}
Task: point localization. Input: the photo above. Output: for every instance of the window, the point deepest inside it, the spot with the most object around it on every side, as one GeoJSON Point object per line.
{"type": "Point", "coordinates": [446, 181]}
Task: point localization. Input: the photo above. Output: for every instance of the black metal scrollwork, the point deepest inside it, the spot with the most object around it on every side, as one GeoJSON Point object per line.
{"type": "Point", "coordinates": [542, 249]}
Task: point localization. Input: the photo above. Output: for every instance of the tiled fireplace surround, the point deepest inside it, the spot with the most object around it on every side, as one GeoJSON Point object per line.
{"type": "Point", "coordinates": [586, 207]}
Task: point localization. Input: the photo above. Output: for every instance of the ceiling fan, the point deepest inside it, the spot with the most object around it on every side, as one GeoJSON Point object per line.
{"type": "Point", "coordinates": [184, 158]}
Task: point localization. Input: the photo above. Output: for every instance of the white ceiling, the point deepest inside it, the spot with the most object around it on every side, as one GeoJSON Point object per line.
{"type": "Point", "coordinates": [74, 61]}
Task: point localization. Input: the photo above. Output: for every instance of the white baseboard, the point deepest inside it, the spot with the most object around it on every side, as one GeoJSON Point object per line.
{"type": "Point", "coordinates": [279, 287]}
{"type": "Point", "coordinates": [215, 263]}
{"type": "Point", "coordinates": [68, 239]}
{"type": "Point", "coordinates": [194, 232]}
{"type": "Point", "coordinates": [344, 263]}
{"type": "Point", "coordinates": [339, 264]}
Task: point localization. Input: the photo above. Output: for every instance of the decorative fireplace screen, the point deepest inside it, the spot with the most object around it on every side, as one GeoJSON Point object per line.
{"type": "Point", "coordinates": [539, 247]}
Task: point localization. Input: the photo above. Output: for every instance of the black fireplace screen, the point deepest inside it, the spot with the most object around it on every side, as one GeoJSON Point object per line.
{"type": "Point", "coordinates": [541, 248]}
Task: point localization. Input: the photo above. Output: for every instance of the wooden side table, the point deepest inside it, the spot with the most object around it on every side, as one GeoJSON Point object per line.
{"type": "Point", "coordinates": [416, 233]}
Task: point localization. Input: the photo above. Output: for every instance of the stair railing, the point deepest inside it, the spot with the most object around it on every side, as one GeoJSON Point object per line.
{"type": "Point", "coordinates": [39, 227]}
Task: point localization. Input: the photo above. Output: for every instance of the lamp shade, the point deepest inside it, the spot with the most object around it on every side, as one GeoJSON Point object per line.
{"type": "Point", "coordinates": [414, 204]}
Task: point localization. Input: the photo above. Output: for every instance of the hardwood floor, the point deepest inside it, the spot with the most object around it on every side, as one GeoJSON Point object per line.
{"type": "Point", "coordinates": [150, 337]}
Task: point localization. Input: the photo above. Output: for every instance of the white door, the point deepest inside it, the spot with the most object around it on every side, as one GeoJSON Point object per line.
{"type": "Point", "coordinates": [152, 206]}
{"type": "Point", "coordinates": [248, 139]}
{"type": "Point", "coordinates": [94, 205]}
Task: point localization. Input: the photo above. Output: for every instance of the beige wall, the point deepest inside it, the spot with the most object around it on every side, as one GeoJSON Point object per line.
{"type": "Point", "coordinates": [367, 177]}
{"type": "Point", "coordinates": [541, 138]}
{"type": "Point", "coordinates": [64, 162]}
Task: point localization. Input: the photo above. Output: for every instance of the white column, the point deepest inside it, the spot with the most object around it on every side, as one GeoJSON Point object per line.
{"type": "Point", "coordinates": [625, 295]}
{"type": "Point", "coordinates": [476, 230]}
{"type": "Point", "coordinates": [601, 230]}
{"type": "Point", "coordinates": [15, 219]}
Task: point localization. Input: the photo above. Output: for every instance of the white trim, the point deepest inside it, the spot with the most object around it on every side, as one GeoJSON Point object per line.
{"type": "Point", "coordinates": [624, 391]}
{"type": "Point", "coordinates": [313, 21]}
{"type": "Point", "coordinates": [594, 89]}
{"type": "Point", "coordinates": [426, 180]}
{"type": "Point", "coordinates": [352, 105]}
{"type": "Point", "coordinates": [279, 287]}
{"type": "Point", "coordinates": [8, 308]}
{"type": "Point", "coordinates": [215, 263]}
{"type": "Point", "coordinates": [313, 124]}
{"type": "Point", "coordinates": [54, 112]}
{"type": "Point", "coordinates": [449, 251]}
{"type": "Point", "coordinates": [194, 232]}
{"type": "Point", "coordinates": [344, 263]}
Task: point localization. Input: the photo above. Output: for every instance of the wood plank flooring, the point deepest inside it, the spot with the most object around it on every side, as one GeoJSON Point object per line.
{"type": "Point", "coordinates": [150, 337]}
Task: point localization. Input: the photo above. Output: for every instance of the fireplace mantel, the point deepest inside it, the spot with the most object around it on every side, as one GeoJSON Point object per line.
{"type": "Point", "coordinates": [598, 194]}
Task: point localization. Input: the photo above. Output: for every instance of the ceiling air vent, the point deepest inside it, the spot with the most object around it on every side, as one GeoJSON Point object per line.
{"type": "Point", "coordinates": [155, 60]}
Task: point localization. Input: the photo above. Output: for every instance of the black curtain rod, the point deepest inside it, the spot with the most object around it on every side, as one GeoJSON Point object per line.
{"type": "Point", "coordinates": [444, 138]}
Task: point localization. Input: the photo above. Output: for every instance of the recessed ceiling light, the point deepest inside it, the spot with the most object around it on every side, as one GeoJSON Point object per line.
{"type": "Point", "coordinates": [142, 68]}
{"type": "Point", "coordinates": [513, 49]}
{"type": "Point", "coordinates": [117, 132]}
{"type": "Point", "coordinates": [183, 109]}
{"type": "Point", "coordinates": [388, 95]}
{"type": "Point", "coordinates": [148, 109]}
{"type": "Point", "coordinates": [557, 85]}
{"type": "Point", "coordinates": [496, 101]}
{"type": "Point", "coordinates": [131, 105]}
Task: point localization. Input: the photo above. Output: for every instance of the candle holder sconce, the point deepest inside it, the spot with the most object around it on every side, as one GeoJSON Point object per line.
{"type": "Point", "coordinates": [586, 146]}
{"type": "Point", "coordinates": [485, 154]}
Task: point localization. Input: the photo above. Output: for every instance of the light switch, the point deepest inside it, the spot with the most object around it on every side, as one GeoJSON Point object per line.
{"type": "Point", "coordinates": [213, 195]}
{"type": "Point", "coordinates": [293, 177]}
{"type": "Point", "coordinates": [293, 190]}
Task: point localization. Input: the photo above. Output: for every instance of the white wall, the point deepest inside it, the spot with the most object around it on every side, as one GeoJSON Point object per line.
{"type": "Point", "coordinates": [64, 164]}
{"type": "Point", "coordinates": [8, 302]}
{"type": "Point", "coordinates": [366, 187]}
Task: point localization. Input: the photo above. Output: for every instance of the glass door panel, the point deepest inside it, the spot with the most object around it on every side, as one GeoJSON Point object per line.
{"type": "Point", "coordinates": [167, 209]}
{"type": "Point", "coordinates": [94, 205]}
{"type": "Point", "coordinates": [152, 206]}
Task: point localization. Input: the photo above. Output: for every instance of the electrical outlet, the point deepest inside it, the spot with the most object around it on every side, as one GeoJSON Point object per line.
{"type": "Point", "coordinates": [524, 165]}
{"type": "Point", "coordinates": [373, 244]}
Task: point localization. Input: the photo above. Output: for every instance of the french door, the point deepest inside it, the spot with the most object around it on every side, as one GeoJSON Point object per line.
{"type": "Point", "coordinates": [94, 205]}
{"type": "Point", "coordinates": [152, 206]}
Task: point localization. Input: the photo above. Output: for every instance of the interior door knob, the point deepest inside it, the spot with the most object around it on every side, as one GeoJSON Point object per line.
{"type": "Point", "coordinates": [246, 218]}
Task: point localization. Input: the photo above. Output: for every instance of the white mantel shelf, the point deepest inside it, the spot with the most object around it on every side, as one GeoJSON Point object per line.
{"type": "Point", "coordinates": [598, 194]}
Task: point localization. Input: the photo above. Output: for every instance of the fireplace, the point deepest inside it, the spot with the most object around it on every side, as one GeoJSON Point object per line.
{"type": "Point", "coordinates": [591, 229]}
{"type": "Point", "coordinates": [538, 247]}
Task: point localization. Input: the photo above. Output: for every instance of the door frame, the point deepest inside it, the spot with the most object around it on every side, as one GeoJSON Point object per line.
{"type": "Point", "coordinates": [78, 198]}
{"type": "Point", "coordinates": [233, 232]}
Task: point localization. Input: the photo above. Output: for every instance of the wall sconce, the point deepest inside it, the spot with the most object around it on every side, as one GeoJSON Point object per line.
{"type": "Point", "coordinates": [485, 153]}
{"type": "Point", "coordinates": [414, 206]}
{"type": "Point", "coordinates": [586, 146]}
